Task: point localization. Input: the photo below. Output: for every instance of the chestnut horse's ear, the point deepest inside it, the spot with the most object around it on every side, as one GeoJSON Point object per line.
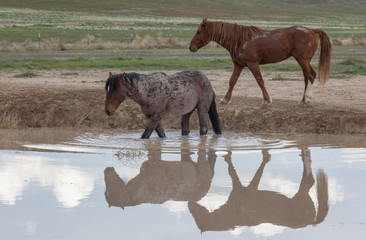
{"type": "Point", "coordinates": [204, 20]}
{"type": "Point", "coordinates": [110, 74]}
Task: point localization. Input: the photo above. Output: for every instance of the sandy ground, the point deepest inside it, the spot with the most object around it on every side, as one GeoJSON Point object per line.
{"type": "Point", "coordinates": [56, 99]}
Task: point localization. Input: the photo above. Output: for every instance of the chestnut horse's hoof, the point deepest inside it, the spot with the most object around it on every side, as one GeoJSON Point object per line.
{"type": "Point", "coordinates": [264, 106]}
{"type": "Point", "coordinates": [303, 105]}
{"type": "Point", "coordinates": [223, 101]}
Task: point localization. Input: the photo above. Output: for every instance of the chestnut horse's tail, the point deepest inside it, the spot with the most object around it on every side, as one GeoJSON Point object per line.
{"type": "Point", "coordinates": [324, 58]}
{"type": "Point", "coordinates": [214, 116]}
{"type": "Point", "coordinates": [322, 194]}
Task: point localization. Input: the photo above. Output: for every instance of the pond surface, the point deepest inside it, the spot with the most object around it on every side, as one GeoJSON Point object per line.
{"type": "Point", "coordinates": [57, 184]}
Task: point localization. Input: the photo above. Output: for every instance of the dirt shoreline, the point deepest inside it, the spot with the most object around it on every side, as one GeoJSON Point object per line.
{"type": "Point", "coordinates": [57, 99]}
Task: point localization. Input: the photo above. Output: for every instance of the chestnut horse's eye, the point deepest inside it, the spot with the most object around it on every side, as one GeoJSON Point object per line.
{"type": "Point", "coordinates": [198, 32]}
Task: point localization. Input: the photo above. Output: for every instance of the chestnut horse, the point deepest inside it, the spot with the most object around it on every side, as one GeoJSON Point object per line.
{"type": "Point", "coordinates": [248, 206]}
{"type": "Point", "coordinates": [250, 46]}
{"type": "Point", "coordinates": [161, 95]}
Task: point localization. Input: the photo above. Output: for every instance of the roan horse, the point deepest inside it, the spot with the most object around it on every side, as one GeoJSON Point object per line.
{"type": "Point", "coordinates": [161, 95]}
{"type": "Point", "coordinates": [250, 46]}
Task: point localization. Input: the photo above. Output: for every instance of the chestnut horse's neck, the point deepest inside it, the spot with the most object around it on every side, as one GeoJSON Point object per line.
{"type": "Point", "coordinates": [231, 35]}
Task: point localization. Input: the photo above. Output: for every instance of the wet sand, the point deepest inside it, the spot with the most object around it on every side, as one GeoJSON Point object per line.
{"type": "Point", "coordinates": [58, 99]}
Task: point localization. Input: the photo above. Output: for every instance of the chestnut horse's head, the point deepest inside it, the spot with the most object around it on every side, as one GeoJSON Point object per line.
{"type": "Point", "coordinates": [115, 93]}
{"type": "Point", "coordinates": [201, 38]}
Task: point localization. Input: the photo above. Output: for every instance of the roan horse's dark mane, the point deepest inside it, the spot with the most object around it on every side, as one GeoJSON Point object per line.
{"type": "Point", "coordinates": [231, 35]}
{"type": "Point", "coordinates": [130, 78]}
{"type": "Point", "coordinates": [113, 83]}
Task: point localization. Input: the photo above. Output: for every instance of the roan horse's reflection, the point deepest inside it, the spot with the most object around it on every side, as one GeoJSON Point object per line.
{"type": "Point", "coordinates": [248, 206]}
{"type": "Point", "coordinates": [159, 181]}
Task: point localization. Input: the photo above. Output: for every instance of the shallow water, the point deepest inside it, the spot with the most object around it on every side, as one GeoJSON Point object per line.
{"type": "Point", "coordinates": [58, 184]}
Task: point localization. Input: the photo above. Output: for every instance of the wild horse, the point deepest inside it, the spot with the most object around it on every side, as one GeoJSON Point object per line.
{"type": "Point", "coordinates": [249, 206]}
{"type": "Point", "coordinates": [161, 95]}
{"type": "Point", "coordinates": [250, 46]}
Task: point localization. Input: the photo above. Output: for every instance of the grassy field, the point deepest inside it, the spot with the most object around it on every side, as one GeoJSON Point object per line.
{"type": "Point", "coordinates": [156, 33]}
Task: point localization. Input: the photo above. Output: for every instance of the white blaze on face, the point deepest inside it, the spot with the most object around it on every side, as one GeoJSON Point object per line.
{"type": "Point", "coordinates": [309, 92]}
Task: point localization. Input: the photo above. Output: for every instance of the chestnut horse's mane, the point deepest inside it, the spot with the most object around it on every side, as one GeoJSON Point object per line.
{"type": "Point", "coordinates": [231, 35]}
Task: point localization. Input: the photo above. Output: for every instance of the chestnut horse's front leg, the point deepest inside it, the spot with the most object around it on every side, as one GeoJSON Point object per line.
{"type": "Point", "coordinates": [152, 124]}
{"type": "Point", "coordinates": [254, 68]}
{"type": "Point", "coordinates": [234, 78]}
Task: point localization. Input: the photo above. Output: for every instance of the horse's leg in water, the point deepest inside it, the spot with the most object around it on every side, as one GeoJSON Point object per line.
{"type": "Point", "coordinates": [151, 125]}
{"type": "Point", "coordinates": [202, 114]}
{"type": "Point", "coordinates": [234, 78]}
{"type": "Point", "coordinates": [160, 130]}
{"type": "Point", "coordinates": [254, 68]}
{"type": "Point", "coordinates": [185, 123]}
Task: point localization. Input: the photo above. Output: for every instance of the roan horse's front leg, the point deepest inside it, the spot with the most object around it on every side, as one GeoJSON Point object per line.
{"type": "Point", "coordinates": [152, 124]}
{"type": "Point", "coordinates": [234, 78]}
{"type": "Point", "coordinates": [160, 130]}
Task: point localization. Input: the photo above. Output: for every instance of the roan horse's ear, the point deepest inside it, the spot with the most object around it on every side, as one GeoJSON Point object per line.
{"type": "Point", "coordinates": [121, 77]}
{"type": "Point", "coordinates": [110, 74]}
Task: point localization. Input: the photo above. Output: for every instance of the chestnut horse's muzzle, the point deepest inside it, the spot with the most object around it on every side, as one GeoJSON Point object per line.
{"type": "Point", "coordinates": [109, 112]}
{"type": "Point", "coordinates": [192, 49]}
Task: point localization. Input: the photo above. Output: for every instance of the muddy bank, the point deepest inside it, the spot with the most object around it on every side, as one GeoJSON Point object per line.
{"type": "Point", "coordinates": [58, 101]}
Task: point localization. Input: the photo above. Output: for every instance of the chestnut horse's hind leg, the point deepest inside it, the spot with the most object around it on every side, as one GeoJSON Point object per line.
{"type": "Point", "coordinates": [254, 68]}
{"type": "Point", "coordinates": [234, 78]}
{"type": "Point", "coordinates": [185, 123]}
{"type": "Point", "coordinates": [309, 75]}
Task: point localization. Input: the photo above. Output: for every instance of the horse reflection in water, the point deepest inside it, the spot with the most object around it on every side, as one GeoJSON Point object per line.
{"type": "Point", "coordinates": [159, 181]}
{"type": "Point", "coordinates": [248, 206]}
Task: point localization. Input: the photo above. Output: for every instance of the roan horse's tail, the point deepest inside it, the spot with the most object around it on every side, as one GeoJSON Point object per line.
{"type": "Point", "coordinates": [324, 58]}
{"type": "Point", "coordinates": [322, 195]}
{"type": "Point", "coordinates": [214, 117]}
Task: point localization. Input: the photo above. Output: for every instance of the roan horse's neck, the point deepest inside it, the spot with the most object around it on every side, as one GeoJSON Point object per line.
{"type": "Point", "coordinates": [231, 35]}
{"type": "Point", "coordinates": [139, 85]}
{"type": "Point", "coordinates": [132, 82]}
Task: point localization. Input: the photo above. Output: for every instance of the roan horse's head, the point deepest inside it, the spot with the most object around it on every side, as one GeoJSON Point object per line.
{"type": "Point", "coordinates": [201, 38]}
{"type": "Point", "coordinates": [115, 93]}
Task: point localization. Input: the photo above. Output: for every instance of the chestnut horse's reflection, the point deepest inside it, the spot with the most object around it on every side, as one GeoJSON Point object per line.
{"type": "Point", "coordinates": [159, 181]}
{"type": "Point", "coordinates": [248, 206]}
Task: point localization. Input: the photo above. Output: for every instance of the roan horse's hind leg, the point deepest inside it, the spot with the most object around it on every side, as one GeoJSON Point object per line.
{"type": "Point", "coordinates": [185, 123]}
{"type": "Point", "coordinates": [203, 123]}
{"type": "Point", "coordinates": [309, 75]}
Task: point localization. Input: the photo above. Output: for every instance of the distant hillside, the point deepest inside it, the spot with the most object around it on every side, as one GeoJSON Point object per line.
{"type": "Point", "coordinates": [219, 9]}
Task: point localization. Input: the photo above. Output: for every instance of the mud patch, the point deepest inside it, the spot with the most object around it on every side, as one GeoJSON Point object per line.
{"type": "Point", "coordinates": [62, 102]}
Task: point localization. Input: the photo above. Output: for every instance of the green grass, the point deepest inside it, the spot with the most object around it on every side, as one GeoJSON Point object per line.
{"type": "Point", "coordinates": [70, 21]}
{"type": "Point", "coordinates": [121, 63]}
{"type": "Point", "coordinates": [26, 75]}
{"type": "Point", "coordinates": [342, 69]}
